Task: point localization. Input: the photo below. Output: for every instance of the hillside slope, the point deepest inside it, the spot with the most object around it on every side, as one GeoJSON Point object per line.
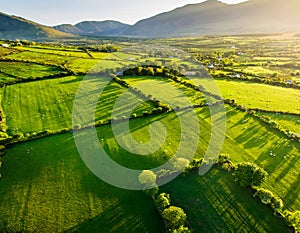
{"type": "Point", "coordinates": [95, 28]}
{"type": "Point", "coordinates": [13, 27]}
{"type": "Point", "coordinates": [215, 17]}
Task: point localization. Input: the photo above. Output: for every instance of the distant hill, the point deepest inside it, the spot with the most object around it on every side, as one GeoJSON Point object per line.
{"type": "Point", "coordinates": [206, 18]}
{"type": "Point", "coordinates": [215, 17]}
{"type": "Point", "coordinates": [95, 28]}
{"type": "Point", "coordinates": [13, 27]}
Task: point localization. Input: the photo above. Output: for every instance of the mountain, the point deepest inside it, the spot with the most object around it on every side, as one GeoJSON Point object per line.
{"type": "Point", "coordinates": [215, 17]}
{"type": "Point", "coordinates": [95, 28]}
{"type": "Point", "coordinates": [13, 27]}
{"type": "Point", "coordinates": [210, 17]}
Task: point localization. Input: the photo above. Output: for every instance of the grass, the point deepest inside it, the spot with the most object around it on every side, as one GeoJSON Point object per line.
{"type": "Point", "coordinates": [253, 95]}
{"type": "Point", "coordinates": [215, 203]}
{"type": "Point", "coordinates": [27, 70]}
{"type": "Point", "coordinates": [45, 187]}
{"type": "Point", "coordinates": [5, 78]}
{"type": "Point", "coordinates": [40, 58]}
{"type": "Point", "coordinates": [67, 53]}
{"type": "Point", "coordinates": [288, 122]}
{"type": "Point", "coordinates": [249, 140]}
{"type": "Point", "coordinates": [161, 89]}
{"type": "Point", "coordinates": [48, 104]}
{"type": "Point", "coordinates": [240, 145]}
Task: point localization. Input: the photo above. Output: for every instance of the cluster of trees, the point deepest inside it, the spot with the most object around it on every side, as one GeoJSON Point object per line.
{"type": "Point", "coordinates": [268, 198]}
{"type": "Point", "coordinates": [20, 137]}
{"type": "Point", "coordinates": [293, 219]}
{"type": "Point", "coordinates": [174, 217]}
{"type": "Point", "coordinates": [151, 71]}
{"type": "Point", "coordinates": [106, 48]}
{"type": "Point", "coordinates": [255, 78]}
{"type": "Point", "coordinates": [250, 175]}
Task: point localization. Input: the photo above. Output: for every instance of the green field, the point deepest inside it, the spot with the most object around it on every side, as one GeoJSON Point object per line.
{"type": "Point", "coordinates": [160, 88]}
{"type": "Point", "coordinates": [213, 201]}
{"type": "Point", "coordinates": [46, 187]}
{"type": "Point", "coordinates": [40, 58]}
{"type": "Point", "coordinates": [62, 168]}
{"type": "Point", "coordinates": [47, 105]}
{"type": "Point", "coordinates": [253, 95]}
{"type": "Point", "coordinates": [27, 70]}
{"type": "Point", "coordinates": [288, 122]}
{"type": "Point", "coordinates": [61, 52]}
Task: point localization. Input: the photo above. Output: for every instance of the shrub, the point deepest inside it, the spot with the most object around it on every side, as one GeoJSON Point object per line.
{"type": "Point", "coordinates": [195, 164]}
{"type": "Point", "coordinates": [148, 180]}
{"type": "Point", "coordinates": [162, 201]}
{"type": "Point", "coordinates": [182, 229]}
{"type": "Point", "coordinates": [174, 217]}
{"type": "Point", "coordinates": [180, 164]}
{"type": "Point", "coordinates": [77, 127]}
{"type": "Point", "coordinates": [18, 136]}
{"type": "Point", "coordinates": [228, 166]}
{"type": "Point", "coordinates": [277, 204]}
{"type": "Point", "coordinates": [293, 218]}
{"type": "Point", "coordinates": [264, 195]}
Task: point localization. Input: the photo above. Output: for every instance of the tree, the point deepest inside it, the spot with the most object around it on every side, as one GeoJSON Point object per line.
{"type": "Point", "coordinates": [248, 174]}
{"type": "Point", "coordinates": [264, 195]}
{"type": "Point", "coordinates": [277, 204]}
{"type": "Point", "coordinates": [182, 229]}
{"type": "Point", "coordinates": [174, 217]}
{"type": "Point", "coordinates": [162, 201]}
{"type": "Point", "coordinates": [293, 219]}
{"type": "Point", "coordinates": [148, 179]}
{"type": "Point", "coordinates": [180, 164]}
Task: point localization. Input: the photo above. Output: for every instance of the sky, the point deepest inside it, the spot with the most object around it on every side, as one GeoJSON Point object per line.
{"type": "Point", "coordinates": [55, 12]}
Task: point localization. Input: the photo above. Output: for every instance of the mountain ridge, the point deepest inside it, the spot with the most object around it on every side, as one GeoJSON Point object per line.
{"type": "Point", "coordinates": [15, 27]}
{"type": "Point", "coordinates": [206, 18]}
{"type": "Point", "coordinates": [215, 17]}
{"type": "Point", "coordinates": [95, 28]}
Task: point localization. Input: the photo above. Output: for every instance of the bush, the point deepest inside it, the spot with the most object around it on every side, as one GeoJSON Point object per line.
{"type": "Point", "coordinates": [148, 180]}
{"type": "Point", "coordinates": [293, 218]}
{"type": "Point", "coordinates": [180, 164]}
{"type": "Point", "coordinates": [162, 201]}
{"type": "Point", "coordinates": [195, 164]}
{"type": "Point", "coordinates": [277, 204]}
{"type": "Point", "coordinates": [182, 229]}
{"type": "Point", "coordinates": [264, 195]}
{"type": "Point", "coordinates": [18, 136]}
{"type": "Point", "coordinates": [174, 217]}
{"type": "Point", "coordinates": [77, 127]}
{"type": "Point", "coordinates": [248, 174]}
{"type": "Point", "coordinates": [228, 166]}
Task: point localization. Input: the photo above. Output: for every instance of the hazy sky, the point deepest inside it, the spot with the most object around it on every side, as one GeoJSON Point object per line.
{"type": "Point", "coordinates": [55, 12]}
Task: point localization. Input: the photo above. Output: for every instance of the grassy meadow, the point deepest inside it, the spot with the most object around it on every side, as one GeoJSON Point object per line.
{"type": "Point", "coordinates": [46, 187]}
{"type": "Point", "coordinates": [47, 105]}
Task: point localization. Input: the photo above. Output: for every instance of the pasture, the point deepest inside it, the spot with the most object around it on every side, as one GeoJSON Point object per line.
{"type": "Point", "coordinates": [261, 96]}
{"type": "Point", "coordinates": [213, 207]}
{"type": "Point", "coordinates": [47, 105]}
{"type": "Point", "coordinates": [46, 187]}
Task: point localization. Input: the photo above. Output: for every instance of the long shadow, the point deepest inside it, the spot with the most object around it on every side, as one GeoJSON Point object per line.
{"type": "Point", "coordinates": [293, 193]}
